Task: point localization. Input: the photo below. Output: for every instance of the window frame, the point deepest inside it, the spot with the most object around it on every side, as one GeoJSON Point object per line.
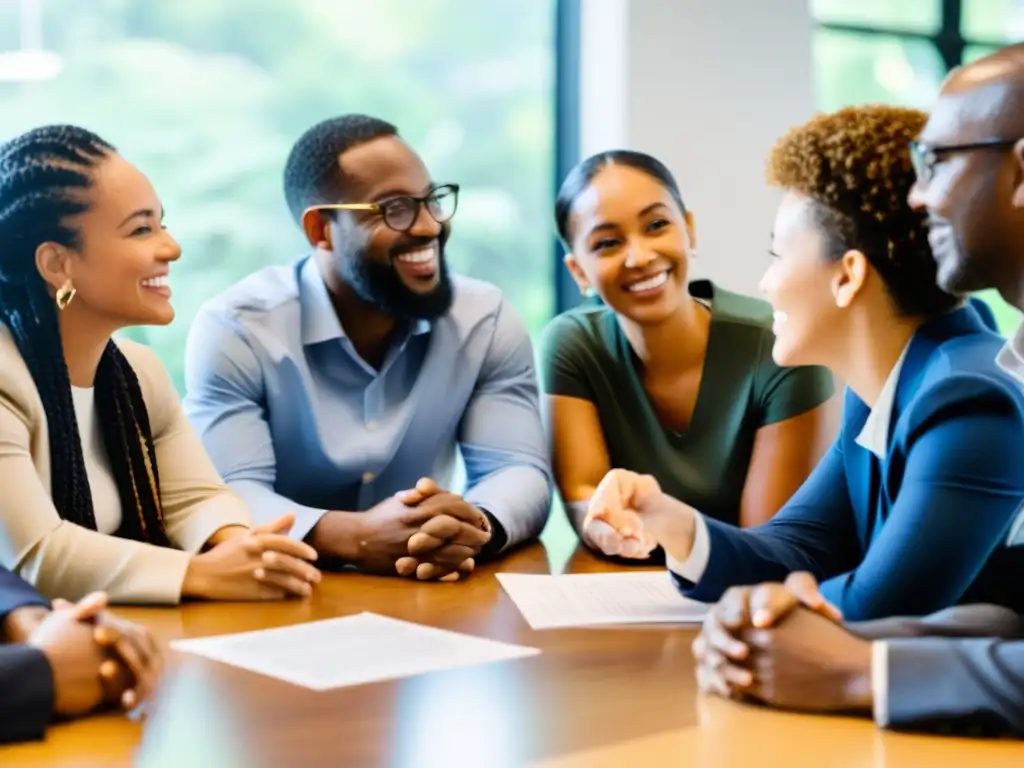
{"type": "Point", "coordinates": [568, 53]}
{"type": "Point", "coordinates": [948, 40]}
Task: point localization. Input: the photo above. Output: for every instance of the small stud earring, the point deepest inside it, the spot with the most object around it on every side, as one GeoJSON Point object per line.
{"type": "Point", "coordinates": [65, 295]}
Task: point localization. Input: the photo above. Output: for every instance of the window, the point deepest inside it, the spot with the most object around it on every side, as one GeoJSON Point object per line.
{"type": "Point", "coordinates": [899, 52]}
{"type": "Point", "coordinates": [207, 98]}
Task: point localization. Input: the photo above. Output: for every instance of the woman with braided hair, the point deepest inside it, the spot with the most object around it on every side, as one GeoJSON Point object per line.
{"type": "Point", "coordinates": [105, 485]}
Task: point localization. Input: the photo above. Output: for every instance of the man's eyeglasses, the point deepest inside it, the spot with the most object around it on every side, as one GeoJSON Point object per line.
{"type": "Point", "coordinates": [924, 156]}
{"type": "Point", "coordinates": [400, 213]}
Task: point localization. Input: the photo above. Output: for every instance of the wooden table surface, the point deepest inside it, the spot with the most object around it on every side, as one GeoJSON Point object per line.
{"type": "Point", "coordinates": [594, 697]}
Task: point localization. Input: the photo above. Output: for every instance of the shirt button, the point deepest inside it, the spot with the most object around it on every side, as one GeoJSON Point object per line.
{"type": "Point", "coordinates": [371, 425]}
{"type": "Point", "coordinates": [368, 477]}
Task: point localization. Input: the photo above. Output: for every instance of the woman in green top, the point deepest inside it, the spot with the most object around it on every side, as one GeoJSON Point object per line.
{"type": "Point", "coordinates": [666, 377]}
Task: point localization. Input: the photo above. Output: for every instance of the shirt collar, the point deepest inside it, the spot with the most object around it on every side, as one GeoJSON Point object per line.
{"type": "Point", "coordinates": [319, 320]}
{"type": "Point", "coordinates": [874, 435]}
{"type": "Point", "coordinates": [1011, 356]}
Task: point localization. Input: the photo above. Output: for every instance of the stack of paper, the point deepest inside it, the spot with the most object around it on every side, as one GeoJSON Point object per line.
{"type": "Point", "coordinates": [593, 599]}
{"type": "Point", "coordinates": [351, 650]}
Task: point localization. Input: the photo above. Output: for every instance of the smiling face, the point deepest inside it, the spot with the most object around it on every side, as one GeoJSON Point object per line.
{"type": "Point", "coordinates": [631, 244]}
{"type": "Point", "coordinates": [402, 273]}
{"type": "Point", "coordinates": [120, 271]}
{"type": "Point", "coordinates": [807, 290]}
{"type": "Point", "coordinates": [973, 196]}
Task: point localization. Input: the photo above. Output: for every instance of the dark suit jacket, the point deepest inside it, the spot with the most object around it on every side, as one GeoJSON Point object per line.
{"type": "Point", "coordinates": [988, 317]}
{"type": "Point", "coordinates": [26, 680]}
{"type": "Point", "coordinates": [921, 529]}
{"type": "Point", "coordinates": [965, 685]}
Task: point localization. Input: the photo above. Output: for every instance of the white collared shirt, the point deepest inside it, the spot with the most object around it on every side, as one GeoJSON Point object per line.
{"type": "Point", "coordinates": [874, 435]}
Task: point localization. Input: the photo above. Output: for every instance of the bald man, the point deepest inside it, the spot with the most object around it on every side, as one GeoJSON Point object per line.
{"type": "Point", "coordinates": [781, 644]}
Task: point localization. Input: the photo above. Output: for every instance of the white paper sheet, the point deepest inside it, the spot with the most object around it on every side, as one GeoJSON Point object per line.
{"type": "Point", "coordinates": [351, 650]}
{"type": "Point", "coordinates": [594, 599]}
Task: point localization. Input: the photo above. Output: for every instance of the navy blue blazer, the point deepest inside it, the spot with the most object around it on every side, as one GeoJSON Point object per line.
{"type": "Point", "coordinates": [26, 680]}
{"type": "Point", "coordinates": [925, 527]}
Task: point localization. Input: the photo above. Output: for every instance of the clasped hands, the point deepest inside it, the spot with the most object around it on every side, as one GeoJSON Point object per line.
{"type": "Point", "coordinates": [783, 645]}
{"type": "Point", "coordinates": [97, 659]}
{"type": "Point", "coordinates": [443, 533]}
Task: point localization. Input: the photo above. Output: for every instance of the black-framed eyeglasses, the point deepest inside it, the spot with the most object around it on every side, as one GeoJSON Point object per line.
{"type": "Point", "coordinates": [925, 156]}
{"type": "Point", "coordinates": [400, 213]}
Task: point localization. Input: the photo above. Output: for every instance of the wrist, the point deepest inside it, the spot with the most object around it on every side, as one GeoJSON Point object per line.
{"type": "Point", "coordinates": [21, 622]}
{"type": "Point", "coordinates": [672, 524]}
{"type": "Point", "coordinates": [339, 535]}
{"type": "Point", "coordinates": [196, 583]}
{"type": "Point", "coordinates": [498, 541]}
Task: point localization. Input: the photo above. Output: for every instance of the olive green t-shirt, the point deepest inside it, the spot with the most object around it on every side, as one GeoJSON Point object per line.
{"type": "Point", "coordinates": [584, 353]}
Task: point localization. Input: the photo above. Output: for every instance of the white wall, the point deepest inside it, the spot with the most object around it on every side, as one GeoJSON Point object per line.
{"type": "Point", "coordinates": [706, 86]}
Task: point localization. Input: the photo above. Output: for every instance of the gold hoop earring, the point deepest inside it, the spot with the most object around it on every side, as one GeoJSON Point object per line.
{"type": "Point", "coordinates": [65, 295]}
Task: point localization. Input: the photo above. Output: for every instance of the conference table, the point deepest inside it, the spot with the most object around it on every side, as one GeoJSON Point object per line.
{"type": "Point", "coordinates": [593, 697]}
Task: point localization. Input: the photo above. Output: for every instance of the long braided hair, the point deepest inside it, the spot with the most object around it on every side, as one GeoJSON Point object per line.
{"type": "Point", "coordinates": [44, 181]}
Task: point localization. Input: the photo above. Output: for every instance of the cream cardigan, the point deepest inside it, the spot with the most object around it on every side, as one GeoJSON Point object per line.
{"type": "Point", "coordinates": [66, 560]}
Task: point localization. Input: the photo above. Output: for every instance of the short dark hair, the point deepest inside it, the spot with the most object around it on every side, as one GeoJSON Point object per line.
{"type": "Point", "coordinates": [45, 178]}
{"type": "Point", "coordinates": [579, 178]}
{"type": "Point", "coordinates": [311, 173]}
{"type": "Point", "coordinates": [855, 166]}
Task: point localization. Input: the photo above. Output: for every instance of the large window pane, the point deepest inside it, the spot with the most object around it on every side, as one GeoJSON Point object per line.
{"type": "Point", "coordinates": [207, 97]}
{"type": "Point", "coordinates": [993, 20]}
{"type": "Point", "coordinates": [854, 68]}
{"type": "Point", "coordinates": [905, 15]}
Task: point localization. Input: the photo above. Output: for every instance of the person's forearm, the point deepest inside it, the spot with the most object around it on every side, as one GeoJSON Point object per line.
{"type": "Point", "coordinates": [338, 535]}
{"type": "Point", "coordinates": [979, 620]}
{"type": "Point", "coordinates": [671, 523]}
{"type": "Point", "coordinates": [19, 623]}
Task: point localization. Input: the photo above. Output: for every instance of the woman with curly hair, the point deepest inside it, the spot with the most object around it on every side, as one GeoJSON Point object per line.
{"type": "Point", "coordinates": [911, 509]}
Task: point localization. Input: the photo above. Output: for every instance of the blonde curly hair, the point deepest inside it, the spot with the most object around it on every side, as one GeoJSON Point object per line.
{"type": "Point", "coordinates": [855, 165]}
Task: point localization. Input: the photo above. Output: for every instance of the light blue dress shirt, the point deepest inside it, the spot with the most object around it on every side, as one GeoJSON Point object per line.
{"type": "Point", "coordinates": [296, 421]}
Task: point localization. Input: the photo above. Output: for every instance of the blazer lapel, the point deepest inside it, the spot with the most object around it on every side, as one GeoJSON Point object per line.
{"type": "Point", "coordinates": [959, 322]}
{"type": "Point", "coordinates": [862, 468]}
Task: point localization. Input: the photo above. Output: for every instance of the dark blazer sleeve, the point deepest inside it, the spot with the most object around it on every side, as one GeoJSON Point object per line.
{"type": "Point", "coordinates": [974, 686]}
{"type": "Point", "coordinates": [26, 704]}
{"type": "Point", "coordinates": [988, 317]}
{"type": "Point", "coordinates": [959, 485]}
{"type": "Point", "coordinates": [976, 620]}
{"type": "Point", "coordinates": [815, 531]}
{"type": "Point", "coordinates": [26, 680]}
{"type": "Point", "coordinates": [16, 593]}
{"type": "Point", "coordinates": [960, 491]}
